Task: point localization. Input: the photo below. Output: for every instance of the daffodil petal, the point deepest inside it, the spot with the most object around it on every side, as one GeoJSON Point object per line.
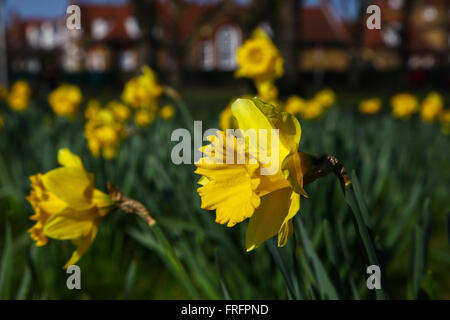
{"type": "Point", "coordinates": [70, 224]}
{"type": "Point", "coordinates": [70, 184]}
{"type": "Point", "coordinates": [255, 114]}
{"type": "Point", "coordinates": [286, 228]}
{"type": "Point", "coordinates": [83, 245]}
{"type": "Point", "coordinates": [67, 159]}
{"type": "Point", "coordinates": [268, 218]}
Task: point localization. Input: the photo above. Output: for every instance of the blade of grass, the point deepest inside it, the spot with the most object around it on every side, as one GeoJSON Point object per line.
{"type": "Point", "coordinates": [223, 284]}
{"type": "Point", "coordinates": [274, 251]}
{"type": "Point", "coordinates": [300, 287]}
{"type": "Point", "coordinates": [419, 252]}
{"type": "Point", "coordinates": [326, 288]}
{"type": "Point", "coordinates": [356, 202]}
{"type": "Point", "coordinates": [24, 286]}
{"type": "Point", "coordinates": [129, 279]}
{"type": "Point", "coordinates": [345, 251]}
{"type": "Point", "coordinates": [6, 265]}
{"type": "Point", "coordinates": [448, 228]}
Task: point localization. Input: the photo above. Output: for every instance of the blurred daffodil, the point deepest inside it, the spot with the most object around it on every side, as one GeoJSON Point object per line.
{"type": "Point", "coordinates": [225, 118]}
{"type": "Point", "coordinates": [312, 110]}
{"type": "Point", "coordinates": [92, 108]}
{"type": "Point", "coordinates": [104, 134]}
{"type": "Point", "coordinates": [19, 96]}
{"type": "Point", "coordinates": [444, 118]}
{"type": "Point", "coordinates": [259, 59]}
{"type": "Point", "coordinates": [241, 191]}
{"type": "Point", "coordinates": [144, 117]}
{"type": "Point", "coordinates": [432, 106]}
{"type": "Point", "coordinates": [143, 91]}
{"type": "Point", "coordinates": [65, 100]}
{"type": "Point", "coordinates": [267, 91]}
{"type": "Point", "coordinates": [325, 97]}
{"type": "Point", "coordinates": [370, 106]}
{"type": "Point", "coordinates": [121, 112]}
{"type": "Point", "coordinates": [404, 105]}
{"type": "Point", "coordinates": [167, 112]}
{"type": "Point", "coordinates": [294, 105]}
{"type": "Point", "coordinates": [67, 206]}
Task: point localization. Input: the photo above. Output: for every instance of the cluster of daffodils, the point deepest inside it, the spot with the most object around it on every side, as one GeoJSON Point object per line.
{"type": "Point", "coordinates": [65, 100]}
{"type": "Point", "coordinates": [405, 105]}
{"type": "Point", "coordinates": [104, 128]}
{"type": "Point", "coordinates": [312, 108]}
{"type": "Point", "coordinates": [142, 94]}
{"type": "Point", "coordinates": [18, 96]}
{"type": "Point", "coordinates": [260, 60]}
{"type": "Point", "coordinates": [241, 191]}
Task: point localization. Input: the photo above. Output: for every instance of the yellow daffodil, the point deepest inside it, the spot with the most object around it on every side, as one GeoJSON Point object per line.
{"type": "Point", "coordinates": [241, 191]}
{"type": "Point", "coordinates": [444, 118]}
{"type": "Point", "coordinates": [312, 110]}
{"type": "Point", "coordinates": [167, 112]}
{"type": "Point", "coordinates": [92, 108]}
{"type": "Point", "coordinates": [325, 97]}
{"type": "Point", "coordinates": [370, 106]}
{"type": "Point", "coordinates": [267, 91]}
{"type": "Point", "coordinates": [295, 105]}
{"type": "Point", "coordinates": [143, 91]}
{"type": "Point", "coordinates": [431, 107]}
{"type": "Point", "coordinates": [121, 112]}
{"type": "Point", "coordinates": [144, 118]}
{"type": "Point", "coordinates": [404, 105]}
{"type": "Point", "coordinates": [19, 96]}
{"type": "Point", "coordinates": [103, 133]}
{"type": "Point", "coordinates": [67, 206]}
{"type": "Point", "coordinates": [259, 59]}
{"type": "Point", "coordinates": [65, 100]}
{"type": "Point", "coordinates": [225, 118]}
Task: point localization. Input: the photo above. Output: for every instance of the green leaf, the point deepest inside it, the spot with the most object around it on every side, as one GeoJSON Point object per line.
{"type": "Point", "coordinates": [325, 286]}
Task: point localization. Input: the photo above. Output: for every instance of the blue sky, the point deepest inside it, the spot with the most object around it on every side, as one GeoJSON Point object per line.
{"type": "Point", "coordinates": [52, 8]}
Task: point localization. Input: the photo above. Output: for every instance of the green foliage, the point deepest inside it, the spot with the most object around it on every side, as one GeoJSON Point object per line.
{"type": "Point", "coordinates": [395, 214]}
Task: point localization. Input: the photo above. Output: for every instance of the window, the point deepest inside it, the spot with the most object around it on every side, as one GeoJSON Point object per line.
{"type": "Point", "coordinates": [128, 61]}
{"type": "Point", "coordinates": [132, 27]}
{"type": "Point", "coordinates": [100, 28]}
{"type": "Point", "coordinates": [228, 39]}
{"type": "Point", "coordinates": [48, 39]}
{"type": "Point", "coordinates": [32, 35]}
{"type": "Point", "coordinates": [206, 55]}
